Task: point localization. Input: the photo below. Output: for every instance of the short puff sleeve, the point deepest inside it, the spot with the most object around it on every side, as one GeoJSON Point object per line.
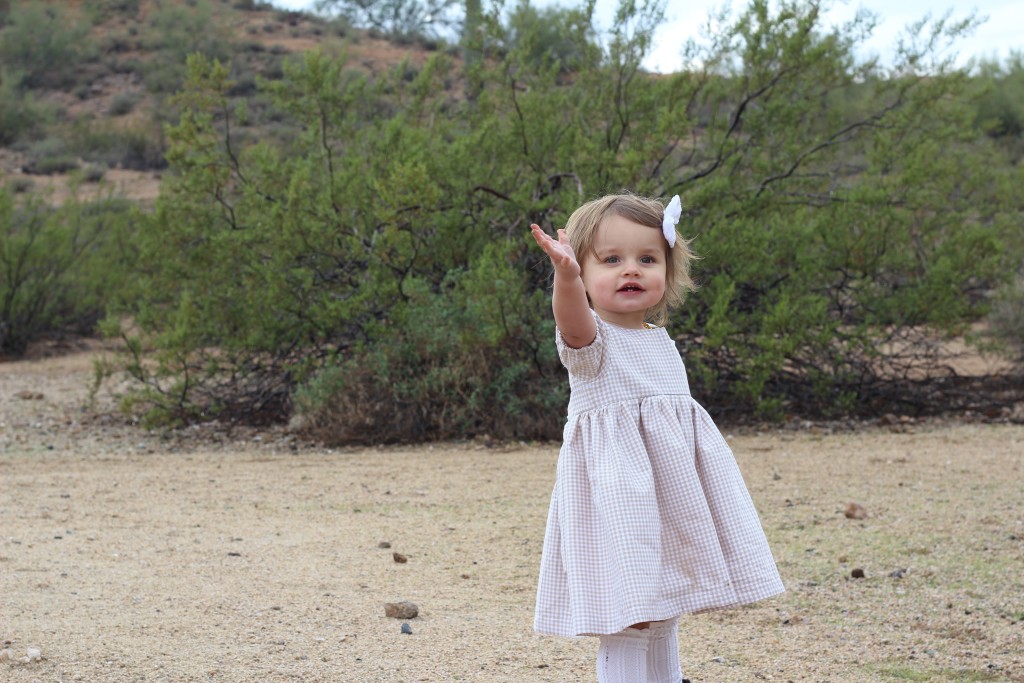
{"type": "Point", "coordinates": [584, 362]}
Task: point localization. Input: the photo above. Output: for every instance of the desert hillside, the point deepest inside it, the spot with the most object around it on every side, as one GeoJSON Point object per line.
{"type": "Point", "coordinates": [97, 118]}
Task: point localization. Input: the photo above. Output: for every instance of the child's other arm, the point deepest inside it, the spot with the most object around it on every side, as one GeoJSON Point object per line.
{"type": "Point", "coordinates": [568, 298]}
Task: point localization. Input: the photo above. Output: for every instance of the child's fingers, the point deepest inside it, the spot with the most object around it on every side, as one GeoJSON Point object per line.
{"type": "Point", "coordinates": [559, 251]}
{"type": "Point", "coordinates": [563, 239]}
{"type": "Point", "coordinates": [539, 236]}
{"type": "Point", "coordinates": [545, 240]}
{"type": "Point", "coordinates": [565, 244]}
{"type": "Point", "coordinates": [538, 233]}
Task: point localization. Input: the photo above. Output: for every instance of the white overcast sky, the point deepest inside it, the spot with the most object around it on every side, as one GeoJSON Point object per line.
{"type": "Point", "coordinates": [1002, 31]}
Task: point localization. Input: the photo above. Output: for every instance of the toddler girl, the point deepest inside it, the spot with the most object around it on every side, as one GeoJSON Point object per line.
{"type": "Point", "coordinates": [649, 518]}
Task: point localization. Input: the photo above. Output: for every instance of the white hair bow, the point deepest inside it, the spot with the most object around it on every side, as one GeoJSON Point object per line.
{"type": "Point", "coordinates": [668, 224]}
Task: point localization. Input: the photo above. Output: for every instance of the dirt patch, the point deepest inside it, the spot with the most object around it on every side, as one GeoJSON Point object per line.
{"type": "Point", "coordinates": [127, 555]}
{"type": "Point", "coordinates": [139, 186]}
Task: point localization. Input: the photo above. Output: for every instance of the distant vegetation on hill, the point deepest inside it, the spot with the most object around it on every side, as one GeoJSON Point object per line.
{"type": "Point", "coordinates": [337, 227]}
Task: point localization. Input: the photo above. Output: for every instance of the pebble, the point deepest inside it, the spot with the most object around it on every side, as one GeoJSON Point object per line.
{"type": "Point", "coordinates": [32, 654]}
{"type": "Point", "coordinates": [401, 610]}
{"type": "Point", "coordinates": [30, 395]}
{"type": "Point", "coordinates": [406, 629]}
{"type": "Point", "coordinates": [855, 511]}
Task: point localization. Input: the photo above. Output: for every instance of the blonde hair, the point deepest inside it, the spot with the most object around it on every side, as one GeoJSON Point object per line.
{"type": "Point", "coordinates": [582, 226]}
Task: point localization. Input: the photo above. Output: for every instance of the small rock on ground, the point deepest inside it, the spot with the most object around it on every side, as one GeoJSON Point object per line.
{"type": "Point", "coordinates": [401, 610]}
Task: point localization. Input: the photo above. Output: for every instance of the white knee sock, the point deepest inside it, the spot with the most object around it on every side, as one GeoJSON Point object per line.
{"type": "Point", "coordinates": [622, 657]}
{"type": "Point", "coordinates": [663, 652]}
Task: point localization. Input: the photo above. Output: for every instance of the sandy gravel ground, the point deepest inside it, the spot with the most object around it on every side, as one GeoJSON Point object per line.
{"type": "Point", "coordinates": [135, 556]}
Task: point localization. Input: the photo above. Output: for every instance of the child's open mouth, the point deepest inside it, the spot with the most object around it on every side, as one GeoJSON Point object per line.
{"type": "Point", "coordinates": [631, 288]}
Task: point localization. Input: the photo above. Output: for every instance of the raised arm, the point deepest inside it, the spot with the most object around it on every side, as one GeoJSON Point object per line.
{"type": "Point", "coordinates": [569, 298]}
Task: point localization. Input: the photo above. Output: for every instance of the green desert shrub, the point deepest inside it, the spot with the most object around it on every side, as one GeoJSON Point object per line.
{"type": "Point", "coordinates": [20, 184]}
{"type": "Point", "coordinates": [174, 31]}
{"type": "Point", "coordinates": [139, 147]}
{"type": "Point", "coordinates": [1000, 103]}
{"type": "Point", "coordinates": [379, 278]}
{"type": "Point", "coordinates": [1000, 107]}
{"type": "Point", "coordinates": [59, 266]}
{"type": "Point", "coordinates": [50, 156]}
{"type": "Point", "coordinates": [446, 368]}
{"type": "Point", "coordinates": [1006, 319]}
{"type": "Point", "coordinates": [251, 5]}
{"type": "Point", "coordinates": [100, 10]}
{"type": "Point", "coordinates": [21, 118]}
{"type": "Point", "coordinates": [93, 173]}
{"type": "Point", "coordinates": [55, 164]}
{"type": "Point", "coordinates": [44, 45]}
{"type": "Point", "coordinates": [550, 37]}
{"type": "Point", "coordinates": [399, 19]}
{"type": "Point", "coordinates": [123, 103]}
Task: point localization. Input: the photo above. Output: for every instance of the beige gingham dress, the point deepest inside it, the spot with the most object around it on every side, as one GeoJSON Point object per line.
{"type": "Point", "coordinates": [649, 517]}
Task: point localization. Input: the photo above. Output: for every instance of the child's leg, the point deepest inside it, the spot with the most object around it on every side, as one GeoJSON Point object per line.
{"type": "Point", "coordinates": [622, 657]}
{"type": "Point", "coordinates": [663, 652]}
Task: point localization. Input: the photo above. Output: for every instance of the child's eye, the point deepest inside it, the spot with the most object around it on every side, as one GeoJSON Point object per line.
{"type": "Point", "coordinates": [611, 259]}
{"type": "Point", "coordinates": [646, 259]}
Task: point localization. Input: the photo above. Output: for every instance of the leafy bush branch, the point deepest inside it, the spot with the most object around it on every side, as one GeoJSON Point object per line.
{"type": "Point", "coordinates": [375, 276]}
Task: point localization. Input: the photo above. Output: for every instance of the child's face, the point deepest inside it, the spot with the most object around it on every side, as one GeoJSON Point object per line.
{"type": "Point", "coordinates": [624, 275]}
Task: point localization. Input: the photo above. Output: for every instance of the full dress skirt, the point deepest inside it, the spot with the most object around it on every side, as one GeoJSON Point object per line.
{"type": "Point", "coordinates": [650, 517]}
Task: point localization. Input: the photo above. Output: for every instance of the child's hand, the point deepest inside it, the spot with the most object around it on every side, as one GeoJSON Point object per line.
{"type": "Point", "coordinates": [559, 251]}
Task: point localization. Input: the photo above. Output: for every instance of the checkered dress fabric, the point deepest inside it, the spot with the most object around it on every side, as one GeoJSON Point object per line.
{"type": "Point", "coordinates": [649, 517]}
